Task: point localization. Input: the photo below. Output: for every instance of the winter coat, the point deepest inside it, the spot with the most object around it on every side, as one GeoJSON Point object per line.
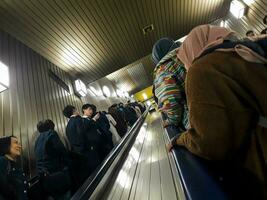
{"type": "Point", "coordinates": [103, 126]}
{"type": "Point", "coordinates": [13, 183]}
{"type": "Point", "coordinates": [121, 125]}
{"type": "Point", "coordinates": [75, 134]}
{"type": "Point", "coordinates": [50, 153]}
{"type": "Point", "coordinates": [226, 96]}
{"type": "Point", "coordinates": [130, 115]}
{"type": "Point", "coordinates": [169, 81]}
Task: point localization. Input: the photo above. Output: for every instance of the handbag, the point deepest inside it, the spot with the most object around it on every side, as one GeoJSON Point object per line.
{"type": "Point", "coordinates": [56, 183]}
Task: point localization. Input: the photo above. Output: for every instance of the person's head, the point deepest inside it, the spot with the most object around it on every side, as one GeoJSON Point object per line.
{"type": "Point", "coordinates": [265, 19]}
{"type": "Point", "coordinates": [70, 110]}
{"type": "Point", "coordinates": [162, 47]}
{"type": "Point", "coordinates": [10, 146]}
{"type": "Point", "coordinates": [200, 39]}
{"type": "Point", "coordinates": [264, 31]}
{"type": "Point", "coordinates": [45, 125]}
{"type": "Point", "coordinates": [50, 124]}
{"type": "Point", "coordinates": [250, 33]}
{"type": "Point", "coordinates": [88, 110]}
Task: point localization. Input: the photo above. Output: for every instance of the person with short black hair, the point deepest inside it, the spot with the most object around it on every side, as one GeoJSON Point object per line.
{"type": "Point", "coordinates": [69, 110]}
{"type": "Point", "coordinates": [52, 161]}
{"type": "Point", "coordinates": [75, 136]}
{"type": "Point", "coordinates": [98, 122]}
{"type": "Point", "coordinates": [74, 129]}
{"type": "Point", "coordinates": [250, 33]}
{"type": "Point", "coordinates": [121, 125]}
{"type": "Point", "coordinates": [13, 183]}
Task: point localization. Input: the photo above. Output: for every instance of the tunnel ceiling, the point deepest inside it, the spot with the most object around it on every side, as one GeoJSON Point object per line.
{"type": "Point", "coordinates": [93, 38]}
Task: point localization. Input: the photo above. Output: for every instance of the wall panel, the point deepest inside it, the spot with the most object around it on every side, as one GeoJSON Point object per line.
{"type": "Point", "coordinates": [32, 96]}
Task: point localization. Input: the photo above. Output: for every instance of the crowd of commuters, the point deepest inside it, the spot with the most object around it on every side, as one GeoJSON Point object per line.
{"type": "Point", "coordinates": [61, 171]}
{"type": "Point", "coordinates": [212, 87]}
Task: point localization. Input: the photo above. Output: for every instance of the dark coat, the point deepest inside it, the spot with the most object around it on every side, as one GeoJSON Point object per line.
{"type": "Point", "coordinates": [89, 157]}
{"type": "Point", "coordinates": [94, 143]}
{"type": "Point", "coordinates": [121, 125]}
{"type": "Point", "coordinates": [13, 184]}
{"type": "Point", "coordinates": [103, 125]}
{"type": "Point", "coordinates": [50, 153]}
{"type": "Point", "coordinates": [130, 115]}
{"type": "Point", "coordinates": [75, 134]}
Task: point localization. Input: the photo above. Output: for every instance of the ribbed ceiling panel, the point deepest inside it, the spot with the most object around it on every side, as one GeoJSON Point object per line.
{"type": "Point", "coordinates": [93, 38]}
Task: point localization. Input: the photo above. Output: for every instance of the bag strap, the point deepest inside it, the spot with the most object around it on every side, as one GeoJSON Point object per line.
{"type": "Point", "coordinates": [262, 121]}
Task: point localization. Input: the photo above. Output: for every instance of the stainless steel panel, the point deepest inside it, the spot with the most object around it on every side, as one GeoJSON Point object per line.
{"type": "Point", "coordinates": [32, 96]}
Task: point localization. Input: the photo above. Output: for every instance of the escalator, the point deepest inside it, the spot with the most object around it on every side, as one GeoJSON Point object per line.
{"type": "Point", "coordinates": [146, 172]}
{"type": "Point", "coordinates": [139, 168]}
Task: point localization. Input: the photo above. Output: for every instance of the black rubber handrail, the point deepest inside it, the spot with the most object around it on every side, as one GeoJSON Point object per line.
{"type": "Point", "coordinates": [87, 189]}
{"type": "Point", "coordinates": [197, 179]}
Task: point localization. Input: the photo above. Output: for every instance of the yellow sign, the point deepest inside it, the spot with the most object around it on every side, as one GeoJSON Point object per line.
{"type": "Point", "coordinates": [144, 94]}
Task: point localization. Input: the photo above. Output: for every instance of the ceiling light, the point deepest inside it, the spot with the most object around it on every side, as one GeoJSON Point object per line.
{"type": "Point", "coordinates": [144, 96]}
{"type": "Point", "coordinates": [148, 103]}
{"type": "Point", "coordinates": [222, 23]}
{"type": "Point", "coordinates": [80, 88]}
{"type": "Point", "coordinates": [237, 8]}
{"type": "Point", "coordinates": [106, 91]}
{"type": "Point", "coordinates": [2, 88]}
{"type": "Point", "coordinates": [249, 2]}
{"type": "Point", "coordinates": [4, 77]}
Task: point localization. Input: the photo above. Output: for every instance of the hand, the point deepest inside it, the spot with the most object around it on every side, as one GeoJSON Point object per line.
{"type": "Point", "coordinates": [96, 117]}
{"type": "Point", "coordinates": [169, 147]}
{"type": "Point", "coordinates": [165, 124]}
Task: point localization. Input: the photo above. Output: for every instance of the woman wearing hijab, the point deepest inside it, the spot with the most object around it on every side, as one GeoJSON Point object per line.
{"type": "Point", "coordinates": [169, 79]}
{"type": "Point", "coordinates": [13, 184]}
{"type": "Point", "coordinates": [227, 99]}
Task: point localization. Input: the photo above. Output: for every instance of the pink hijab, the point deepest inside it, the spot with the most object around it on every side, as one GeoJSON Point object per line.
{"type": "Point", "coordinates": [198, 40]}
{"type": "Point", "coordinates": [206, 36]}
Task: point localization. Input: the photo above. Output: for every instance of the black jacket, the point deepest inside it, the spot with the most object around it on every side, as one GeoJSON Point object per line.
{"type": "Point", "coordinates": [121, 125]}
{"type": "Point", "coordinates": [130, 115]}
{"type": "Point", "coordinates": [13, 184]}
{"type": "Point", "coordinates": [75, 134]}
{"type": "Point", "coordinates": [103, 126]}
{"type": "Point", "coordinates": [50, 153]}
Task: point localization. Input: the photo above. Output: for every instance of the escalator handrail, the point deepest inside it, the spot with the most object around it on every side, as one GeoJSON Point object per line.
{"type": "Point", "coordinates": [197, 180]}
{"type": "Point", "coordinates": [91, 183]}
